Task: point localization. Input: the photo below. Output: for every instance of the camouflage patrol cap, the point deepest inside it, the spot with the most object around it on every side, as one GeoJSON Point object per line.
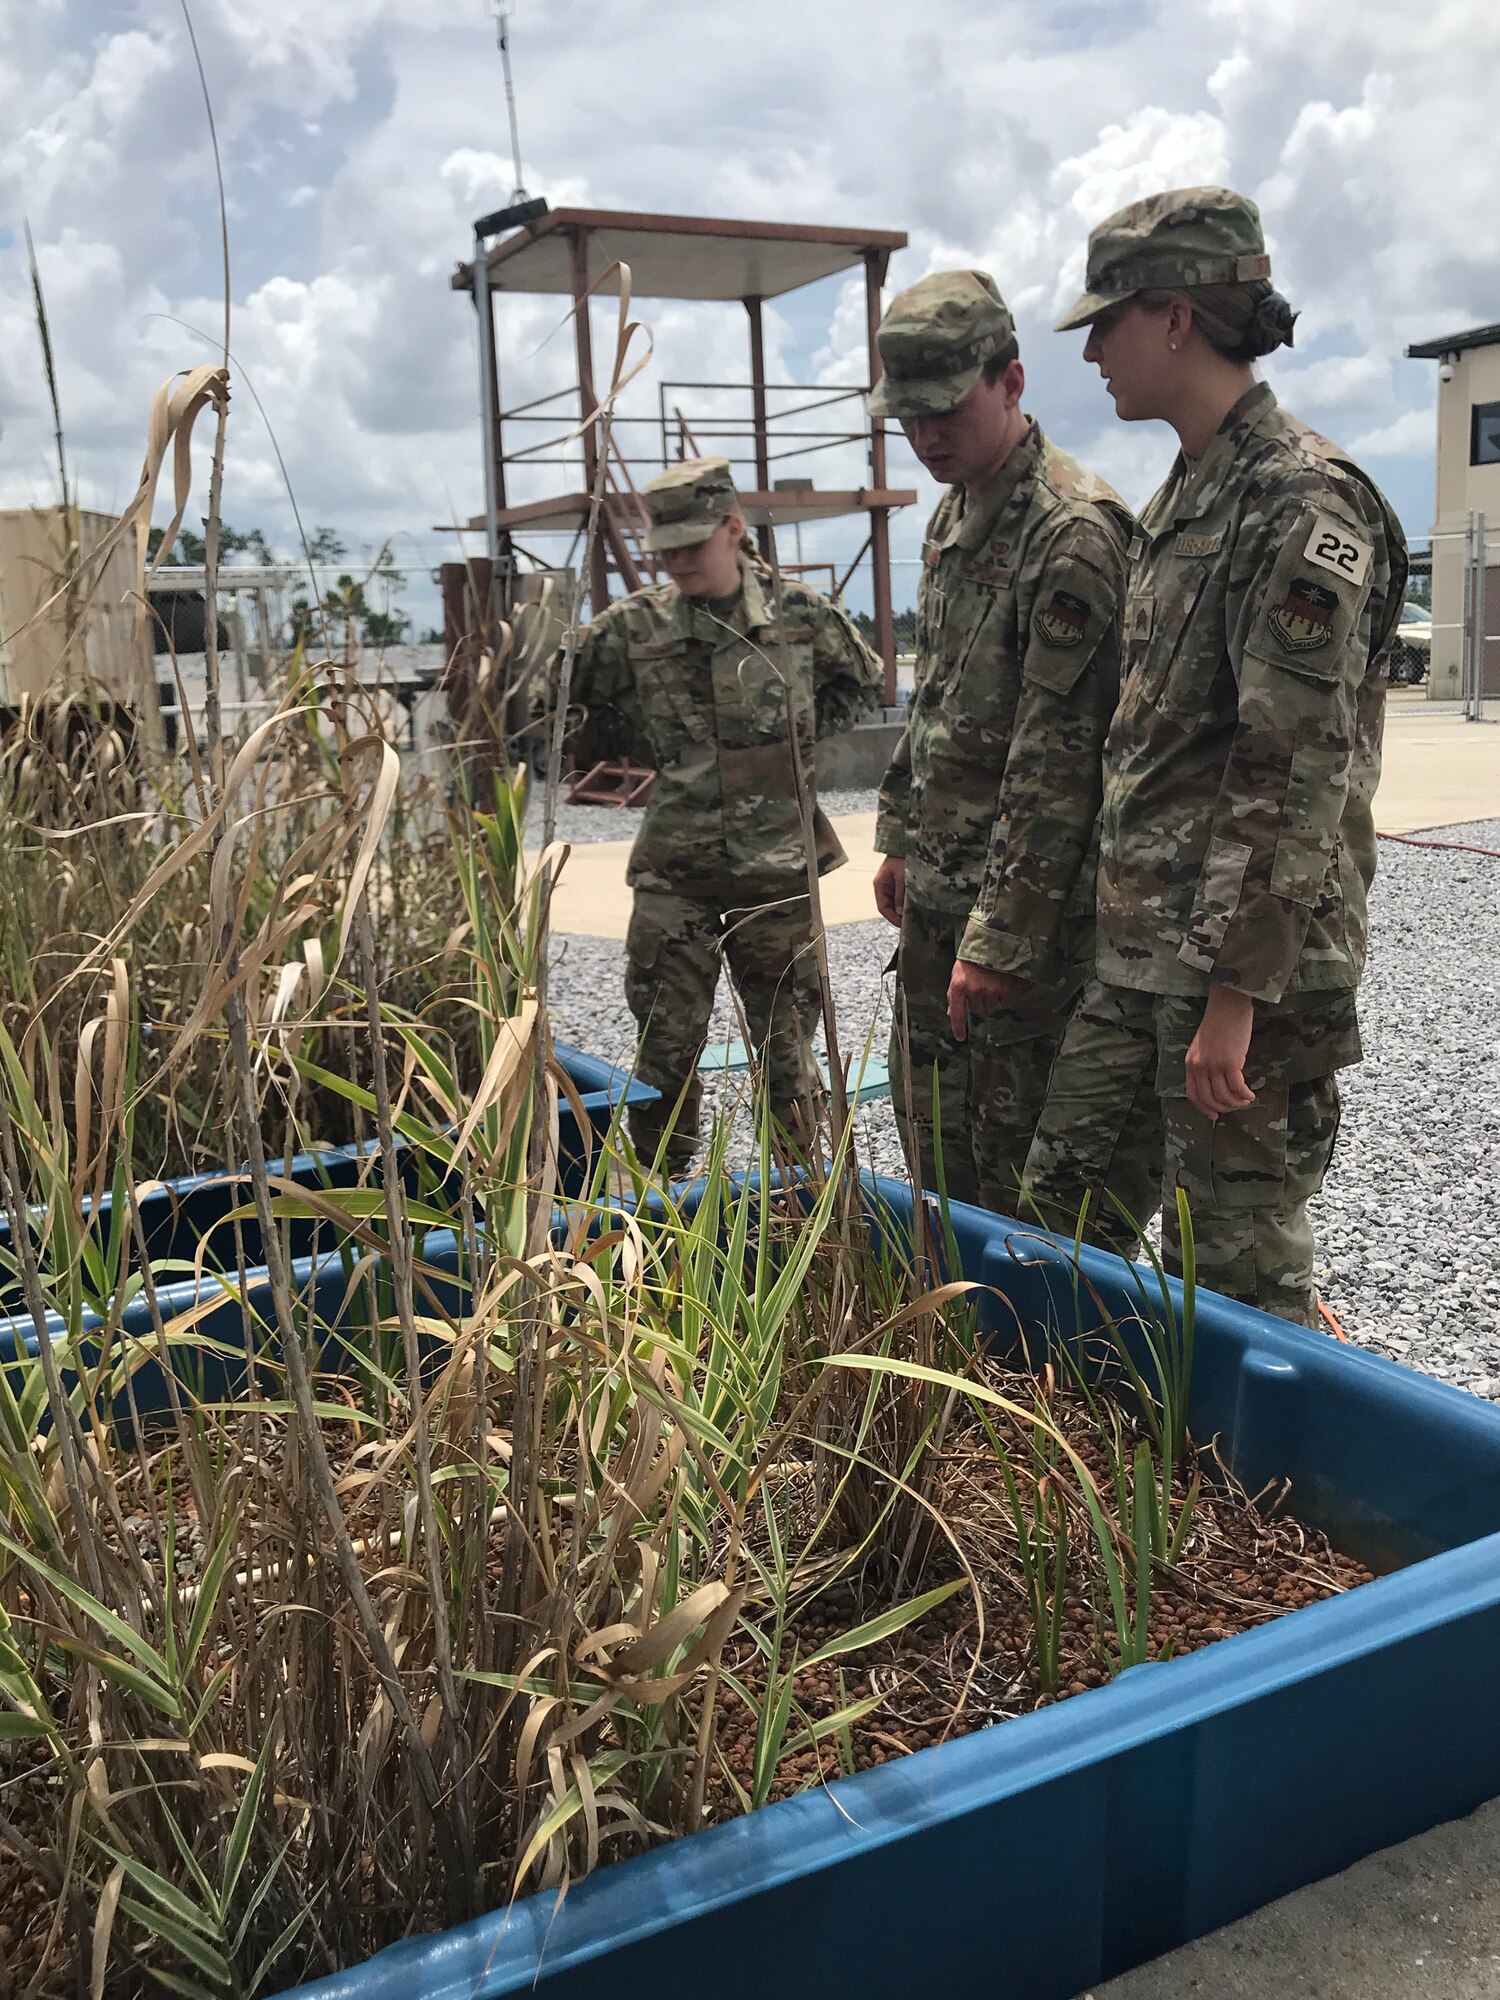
{"type": "Point", "coordinates": [934, 341]}
{"type": "Point", "coordinates": [687, 502]}
{"type": "Point", "coordinates": [1171, 242]}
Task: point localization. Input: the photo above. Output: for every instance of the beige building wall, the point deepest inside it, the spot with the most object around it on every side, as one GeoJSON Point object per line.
{"type": "Point", "coordinates": [1461, 489]}
{"type": "Point", "coordinates": [37, 653]}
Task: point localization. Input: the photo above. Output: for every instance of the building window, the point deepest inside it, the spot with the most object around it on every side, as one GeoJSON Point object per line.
{"type": "Point", "coordinates": [1484, 436]}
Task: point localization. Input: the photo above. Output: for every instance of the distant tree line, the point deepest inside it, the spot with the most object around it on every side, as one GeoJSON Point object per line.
{"type": "Point", "coordinates": [344, 611]}
{"type": "Point", "coordinates": [905, 623]}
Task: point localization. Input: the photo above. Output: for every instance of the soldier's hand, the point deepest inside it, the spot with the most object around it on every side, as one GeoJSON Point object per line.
{"type": "Point", "coordinates": [1216, 1055]}
{"type": "Point", "coordinates": [890, 888]}
{"type": "Point", "coordinates": [975, 990]}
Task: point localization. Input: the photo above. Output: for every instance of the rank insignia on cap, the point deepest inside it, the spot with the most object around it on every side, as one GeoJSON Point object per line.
{"type": "Point", "coordinates": [1060, 621]}
{"type": "Point", "coordinates": [1303, 621]}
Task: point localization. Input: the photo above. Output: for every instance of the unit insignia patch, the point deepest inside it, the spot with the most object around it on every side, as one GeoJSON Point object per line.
{"type": "Point", "coordinates": [1060, 621]}
{"type": "Point", "coordinates": [1303, 621]}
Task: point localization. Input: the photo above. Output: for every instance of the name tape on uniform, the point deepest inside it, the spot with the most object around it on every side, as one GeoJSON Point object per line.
{"type": "Point", "coordinates": [1334, 545]}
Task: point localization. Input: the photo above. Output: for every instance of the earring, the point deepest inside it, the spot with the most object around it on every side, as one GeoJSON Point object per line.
{"type": "Point", "coordinates": [1172, 346]}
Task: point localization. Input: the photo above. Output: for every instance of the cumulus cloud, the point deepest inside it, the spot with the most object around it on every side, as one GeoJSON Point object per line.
{"type": "Point", "coordinates": [361, 137]}
{"type": "Point", "coordinates": [1410, 435]}
{"type": "Point", "coordinates": [1155, 148]}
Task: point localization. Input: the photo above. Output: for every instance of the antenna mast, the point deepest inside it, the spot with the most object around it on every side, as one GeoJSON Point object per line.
{"type": "Point", "coordinates": [501, 11]}
{"type": "Point", "coordinates": [518, 211]}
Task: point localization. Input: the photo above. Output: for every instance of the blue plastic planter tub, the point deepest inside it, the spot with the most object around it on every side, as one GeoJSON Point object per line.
{"type": "Point", "coordinates": [179, 1216]}
{"type": "Point", "coordinates": [1036, 1858]}
{"type": "Point", "coordinates": [1039, 1857]}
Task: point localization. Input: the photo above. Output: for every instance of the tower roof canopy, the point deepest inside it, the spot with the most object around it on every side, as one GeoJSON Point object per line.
{"type": "Point", "coordinates": [677, 256]}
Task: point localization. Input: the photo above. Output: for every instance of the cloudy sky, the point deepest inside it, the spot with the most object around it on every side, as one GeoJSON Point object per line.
{"type": "Point", "coordinates": [360, 138]}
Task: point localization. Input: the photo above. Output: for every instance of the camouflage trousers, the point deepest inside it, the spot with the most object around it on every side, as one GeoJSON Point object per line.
{"type": "Point", "coordinates": [1117, 1122]}
{"type": "Point", "coordinates": [990, 1087]}
{"type": "Point", "coordinates": [674, 950]}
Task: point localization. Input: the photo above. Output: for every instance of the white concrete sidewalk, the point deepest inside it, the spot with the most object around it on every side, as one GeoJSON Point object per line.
{"type": "Point", "coordinates": [592, 898]}
{"type": "Point", "coordinates": [1416, 1922]}
{"type": "Point", "coordinates": [1439, 771]}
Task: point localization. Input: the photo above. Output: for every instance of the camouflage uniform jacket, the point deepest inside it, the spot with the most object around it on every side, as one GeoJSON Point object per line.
{"type": "Point", "coordinates": [1237, 838]}
{"type": "Point", "coordinates": [695, 691]}
{"type": "Point", "coordinates": [994, 787]}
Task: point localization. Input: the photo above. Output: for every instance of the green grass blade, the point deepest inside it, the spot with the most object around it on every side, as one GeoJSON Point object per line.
{"type": "Point", "coordinates": [893, 1620]}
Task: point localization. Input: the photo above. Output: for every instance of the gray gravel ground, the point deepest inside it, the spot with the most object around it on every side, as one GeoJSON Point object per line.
{"type": "Point", "coordinates": [1409, 1248]}
{"type": "Point", "coordinates": [1406, 1221]}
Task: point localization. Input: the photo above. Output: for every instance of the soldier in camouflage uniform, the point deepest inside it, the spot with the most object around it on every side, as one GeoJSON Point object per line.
{"type": "Point", "coordinates": [695, 677]}
{"type": "Point", "coordinates": [1237, 837]}
{"type": "Point", "coordinates": [987, 811]}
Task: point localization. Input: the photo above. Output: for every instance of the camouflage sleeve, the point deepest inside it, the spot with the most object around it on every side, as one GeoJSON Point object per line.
{"type": "Point", "coordinates": [604, 720]}
{"type": "Point", "coordinates": [1049, 798]}
{"type": "Point", "coordinates": [1300, 645]}
{"type": "Point", "coordinates": [847, 676]}
{"type": "Point", "coordinates": [893, 809]}
{"type": "Point", "coordinates": [895, 799]}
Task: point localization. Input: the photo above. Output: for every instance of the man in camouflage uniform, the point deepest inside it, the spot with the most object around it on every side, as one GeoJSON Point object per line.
{"type": "Point", "coordinates": [696, 677]}
{"type": "Point", "coordinates": [1237, 837]}
{"type": "Point", "coordinates": [987, 811]}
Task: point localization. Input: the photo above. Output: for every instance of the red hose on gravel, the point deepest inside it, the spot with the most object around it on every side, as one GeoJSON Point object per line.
{"type": "Point", "coordinates": [1453, 846]}
{"type": "Point", "coordinates": [1334, 1326]}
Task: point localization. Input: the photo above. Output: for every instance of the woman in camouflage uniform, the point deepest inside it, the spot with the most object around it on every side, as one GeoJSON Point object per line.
{"type": "Point", "coordinates": [1237, 839]}
{"type": "Point", "coordinates": [699, 677]}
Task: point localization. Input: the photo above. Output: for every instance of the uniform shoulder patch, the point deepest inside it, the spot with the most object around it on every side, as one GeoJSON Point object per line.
{"type": "Point", "coordinates": [1303, 620]}
{"type": "Point", "coordinates": [1334, 545]}
{"type": "Point", "coordinates": [1060, 619]}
